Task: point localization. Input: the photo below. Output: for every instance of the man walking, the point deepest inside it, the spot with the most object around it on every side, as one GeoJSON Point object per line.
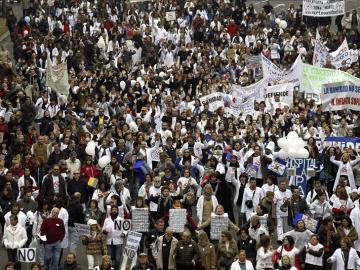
{"type": "Point", "coordinates": [54, 230]}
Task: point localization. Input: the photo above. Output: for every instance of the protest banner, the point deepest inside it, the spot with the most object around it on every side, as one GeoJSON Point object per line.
{"type": "Point", "coordinates": [26, 254]}
{"type": "Point", "coordinates": [215, 101]}
{"type": "Point", "coordinates": [57, 77]}
{"type": "Point", "coordinates": [239, 104]}
{"type": "Point", "coordinates": [302, 168]}
{"type": "Point", "coordinates": [279, 95]}
{"type": "Point", "coordinates": [270, 70]}
{"type": "Point", "coordinates": [277, 167]}
{"type": "Point", "coordinates": [140, 219]}
{"type": "Point", "coordinates": [123, 225]}
{"type": "Point", "coordinates": [320, 51]}
{"type": "Point", "coordinates": [218, 225]}
{"type": "Point", "coordinates": [323, 8]}
{"type": "Point", "coordinates": [340, 96]}
{"type": "Point", "coordinates": [253, 61]}
{"type": "Point", "coordinates": [170, 16]}
{"type": "Point", "coordinates": [177, 219]}
{"type": "Point", "coordinates": [341, 142]}
{"type": "Point", "coordinates": [132, 244]}
{"type": "Point", "coordinates": [341, 56]}
{"type": "Point", "coordinates": [82, 229]}
{"type": "Point", "coordinates": [312, 78]}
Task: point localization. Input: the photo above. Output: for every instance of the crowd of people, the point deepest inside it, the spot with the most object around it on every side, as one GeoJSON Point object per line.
{"type": "Point", "coordinates": [136, 72]}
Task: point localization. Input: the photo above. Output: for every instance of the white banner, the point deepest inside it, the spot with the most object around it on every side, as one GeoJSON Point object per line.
{"type": "Point", "coordinates": [57, 77]}
{"type": "Point", "coordinates": [218, 224]}
{"type": "Point", "coordinates": [312, 78]}
{"type": "Point", "coordinates": [341, 56]}
{"type": "Point", "coordinates": [320, 51]}
{"type": "Point", "coordinates": [277, 96]}
{"type": "Point", "coordinates": [340, 96]}
{"type": "Point", "coordinates": [177, 220]}
{"type": "Point", "coordinates": [323, 8]}
{"type": "Point", "coordinates": [270, 70]}
{"type": "Point", "coordinates": [140, 219]}
{"type": "Point", "coordinates": [215, 101]}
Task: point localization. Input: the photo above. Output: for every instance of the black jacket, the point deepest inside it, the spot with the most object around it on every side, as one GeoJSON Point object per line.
{"type": "Point", "coordinates": [47, 188]}
{"type": "Point", "coordinates": [249, 245]}
{"type": "Point", "coordinates": [78, 186]}
{"type": "Point", "coordinates": [76, 213]}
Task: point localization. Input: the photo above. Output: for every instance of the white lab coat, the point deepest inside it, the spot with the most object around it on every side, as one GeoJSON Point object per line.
{"type": "Point", "coordinates": [355, 218]}
{"type": "Point", "coordinates": [345, 169]}
{"type": "Point", "coordinates": [338, 259]}
{"type": "Point", "coordinates": [200, 204]}
{"type": "Point", "coordinates": [235, 265]}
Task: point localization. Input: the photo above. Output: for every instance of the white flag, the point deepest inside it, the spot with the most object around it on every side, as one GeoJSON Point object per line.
{"type": "Point", "coordinates": [57, 77]}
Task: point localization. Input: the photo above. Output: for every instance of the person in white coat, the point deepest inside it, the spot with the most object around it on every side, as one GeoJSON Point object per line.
{"type": "Point", "coordinates": [206, 202]}
{"type": "Point", "coordinates": [264, 254]}
{"type": "Point", "coordinates": [114, 237]}
{"type": "Point", "coordinates": [280, 199]}
{"type": "Point", "coordinates": [345, 254]}
{"type": "Point", "coordinates": [345, 168]}
{"type": "Point", "coordinates": [15, 237]}
{"type": "Point", "coordinates": [355, 218]}
{"type": "Point", "coordinates": [252, 197]}
{"type": "Point", "coordinates": [242, 262]}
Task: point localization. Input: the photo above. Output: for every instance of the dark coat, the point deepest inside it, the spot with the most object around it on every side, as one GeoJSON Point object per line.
{"type": "Point", "coordinates": [47, 188]}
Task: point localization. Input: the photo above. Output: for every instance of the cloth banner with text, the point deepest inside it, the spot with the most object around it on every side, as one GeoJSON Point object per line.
{"type": "Point", "coordinates": [340, 96]}
{"type": "Point", "coordinates": [323, 8]}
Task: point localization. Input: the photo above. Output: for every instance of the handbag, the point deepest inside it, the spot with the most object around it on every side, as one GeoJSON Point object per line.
{"type": "Point", "coordinates": [249, 203]}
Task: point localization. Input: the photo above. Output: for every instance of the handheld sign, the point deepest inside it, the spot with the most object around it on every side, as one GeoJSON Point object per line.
{"type": "Point", "coordinates": [177, 219]}
{"type": "Point", "coordinates": [26, 254]}
{"type": "Point", "coordinates": [123, 225]}
{"type": "Point", "coordinates": [140, 219]}
{"type": "Point", "coordinates": [218, 224]}
{"type": "Point", "coordinates": [82, 229]}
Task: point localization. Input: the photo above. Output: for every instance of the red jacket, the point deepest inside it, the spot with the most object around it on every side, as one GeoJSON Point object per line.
{"type": "Point", "coordinates": [54, 230]}
{"type": "Point", "coordinates": [88, 171]}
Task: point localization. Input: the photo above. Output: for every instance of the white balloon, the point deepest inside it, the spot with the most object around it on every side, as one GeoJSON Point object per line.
{"type": "Point", "coordinates": [293, 152]}
{"type": "Point", "coordinates": [277, 20]}
{"type": "Point", "coordinates": [104, 161]}
{"type": "Point", "coordinates": [282, 143]}
{"type": "Point", "coordinates": [90, 150]}
{"type": "Point", "coordinates": [283, 154]}
{"type": "Point", "coordinates": [292, 135]}
{"type": "Point", "coordinates": [183, 131]}
{"type": "Point", "coordinates": [122, 85]}
{"type": "Point", "coordinates": [303, 153]}
{"type": "Point", "coordinates": [283, 24]}
{"type": "Point", "coordinates": [91, 144]}
{"type": "Point", "coordinates": [298, 143]}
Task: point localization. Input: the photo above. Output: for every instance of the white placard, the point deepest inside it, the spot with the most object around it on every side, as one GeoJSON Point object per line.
{"type": "Point", "coordinates": [218, 225]}
{"type": "Point", "coordinates": [278, 95]}
{"type": "Point", "coordinates": [82, 229]}
{"type": "Point", "coordinates": [170, 16]}
{"type": "Point", "coordinates": [26, 254]}
{"type": "Point", "coordinates": [140, 219]}
{"type": "Point", "coordinates": [177, 219]}
{"type": "Point", "coordinates": [123, 225]}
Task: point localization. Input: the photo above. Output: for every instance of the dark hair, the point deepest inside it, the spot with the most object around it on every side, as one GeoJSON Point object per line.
{"type": "Point", "coordinates": [290, 239]}
{"type": "Point", "coordinates": [96, 203]}
{"type": "Point", "coordinates": [348, 219]}
{"type": "Point", "coordinates": [35, 264]}
{"type": "Point", "coordinates": [244, 229]}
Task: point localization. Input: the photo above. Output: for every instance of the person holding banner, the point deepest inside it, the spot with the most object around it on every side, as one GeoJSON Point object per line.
{"type": "Point", "coordinates": [345, 169]}
{"type": "Point", "coordinates": [15, 237]}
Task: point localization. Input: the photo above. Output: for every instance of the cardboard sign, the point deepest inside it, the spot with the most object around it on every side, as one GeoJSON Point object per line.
{"type": "Point", "coordinates": [26, 254]}
{"type": "Point", "coordinates": [177, 219]}
{"type": "Point", "coordinates": [140, 219]}
{"type": "Point", "coordinates": [82, 229]}
{"type": "Point", "coordinates": [218, 225]}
